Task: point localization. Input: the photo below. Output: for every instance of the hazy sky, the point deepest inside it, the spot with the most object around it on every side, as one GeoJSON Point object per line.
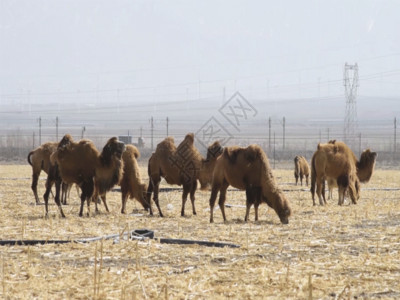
{"type": "Point", "coordinates": [163, 50]}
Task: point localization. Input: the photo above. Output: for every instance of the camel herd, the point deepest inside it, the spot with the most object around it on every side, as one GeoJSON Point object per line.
{"type": "Point", "coordinates": [246, 168]}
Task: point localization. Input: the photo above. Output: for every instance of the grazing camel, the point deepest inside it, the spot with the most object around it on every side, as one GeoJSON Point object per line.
{"type": "Point", "coordinates": [131, 183]}
{"type": "Point", "coordinates": [336, 162]}
{"type": "Point", "coordinates": [301, 168]}
{"type": "Point", "coordinates": [182, 165]}
{"type": "Point", "coordinates": [248, 169]}
{"type": "Point", "coordinates": [83, 164]}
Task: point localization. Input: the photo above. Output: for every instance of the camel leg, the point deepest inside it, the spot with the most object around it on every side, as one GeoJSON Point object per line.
{"type": "Point", "coordinates": [306, 180]}
{"type": "Point", "coordinates": [257, 201]}
{"type": "Point", "coordinates": [57, 197]}
{"type": "Point", "coordinates": [124, 198]}
{"type": "Point", "coordinates": [352, 193]}
{"type": "Point", "coordinates": [222, 198]}
{"type": "Point", "coordinates": [342, 192]}
{"type": "Point", "coordinates": [186, 190]}
{"type": "Point", "coordinates": [213, 198]}
{"type": "Point", "coordinates": [104, 199]}
{"type": "Point", "coordinates": [87, 193]}
{"type": "Point", "coordinates": [46, 194]}
{"type": "Point", "coordinates": [319, 191]}
{"type": "Point", "coordinates": [323, 191]}
{"type": "Point", "coordinates": [192, 196]}
{"type": "Point", "coordinates": [297, 178]}
{"type": "Point", "coordinates": [249, 202]}
{"type": "Point", "coordinates": [148, 196]}
{"type": "Point", "coordinates": [301, 179]}
{"type": "Point", "coordinates": [35, 178]}
{"type": "Point", "coordinates": [155, 198]}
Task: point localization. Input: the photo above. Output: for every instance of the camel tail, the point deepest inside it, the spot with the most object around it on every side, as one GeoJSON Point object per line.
{"type": "Point", "coordinates": [29, 157]}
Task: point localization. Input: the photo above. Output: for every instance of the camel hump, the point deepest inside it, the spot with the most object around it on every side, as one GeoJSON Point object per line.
{"type": "Point", "coordinates": [296, 159]}
{"type": "Point", "coordinates": [136, 152]}
{"type": "Point", "coordinates": [332, 142]}
{"type": "Point", "coordinates": [189, 139]}
{"type": "Point", "coordinates": [319, 146]}
{"type": "Point", "coordinates": [132, 149]}
{"type": "Point", "coordinates": [65, 141]}
{"type": "Point", "coordinates": [230, 154]}
{"type": "Point", "coordinates": [252, 152]}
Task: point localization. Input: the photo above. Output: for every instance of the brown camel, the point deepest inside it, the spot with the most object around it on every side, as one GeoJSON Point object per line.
{"type": "Point", "coordinates": [182, 165]}
{"type": "Point", "coordinates": [365, 166]}
{"type": "Point", "coordinates": [301, 168]}
{"type": "Point", "coordinates": [336, 162]}
{"type": "Point", "coordinates": [39, 159]}
{"type": "Point", "coordinates": [248, 169]}
{"type": "Point", "coordinates": [83, 164]}
{"type": "Point", "coordinates": [131, 183]}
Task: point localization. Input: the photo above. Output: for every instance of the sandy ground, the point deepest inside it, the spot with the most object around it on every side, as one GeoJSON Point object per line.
{"type": "Point", "coordinates": [331, 252]}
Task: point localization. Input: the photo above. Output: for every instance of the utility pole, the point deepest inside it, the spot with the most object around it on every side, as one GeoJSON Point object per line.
{"type": "Point", "coordinates": [83, 131]}
{"type": "Point", "coordinates": [328, 133]}
{"type": "Point", "coordinates": [350, 119]}
{"type": "Point", "coordinates": [167, 126]}
{"type": "Point", "coordinates": [152, 133]}
{"type": "Point", "coordinates": [395, 133]}
{"type": "Point", "coordinates": [269, 135]}
{"type": "Point", "coordinates": [274, 150]}
{"type": "Point", "coordinates": [284, 121]}
{"type": "Point", "coordinates": [56, 128]}
{"type": "Point", "coordinates": [40, 131]}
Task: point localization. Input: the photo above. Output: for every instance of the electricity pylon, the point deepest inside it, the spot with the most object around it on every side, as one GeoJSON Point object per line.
{"type": "Point", "coordinates": [350, 82]}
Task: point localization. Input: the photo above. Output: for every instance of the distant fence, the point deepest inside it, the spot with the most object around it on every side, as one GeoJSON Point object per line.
{"type": "Point", "coordinates": [15, 148]}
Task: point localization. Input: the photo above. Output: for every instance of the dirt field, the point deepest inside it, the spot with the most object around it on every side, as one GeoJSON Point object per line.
{"type": "Point", "coordinates": [332, 252]}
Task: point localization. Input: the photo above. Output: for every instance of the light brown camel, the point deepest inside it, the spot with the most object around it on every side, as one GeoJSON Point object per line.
{"type": "Point", "coordinates": [131, 183]}
{"type": "Point", "coordinates": [248, 169]}
{"type": "Point", "coordinates": [182, 165]}
{"type": "Point", "coordinates": [332, 161]}
{"type": "Point", "coordinates": [365, 166]}
{"type": "Point", "coordinates": [39, 159]}
{"type": "Point", "coordinates": [83, 164]}
{"type": "Point", "coordinates": [301, 169]}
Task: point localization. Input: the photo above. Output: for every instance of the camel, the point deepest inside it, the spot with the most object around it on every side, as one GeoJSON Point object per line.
{"type": "Point", "coordinates": [83, 164]}
{"type": "Point", "coordinates": [301, 168]}
{"type": "Point", "coordinates": [248, 169]}
{"type": "Point", "coordinates": [365, 166]}
{"type": "Point", "coordinates": [336, 161]}
{"type": "Point", "coordinates": [131, 183]}
{"type": "Point", "coordinates": [39, 159]}
{"type": "Point", "coordinates": [182, 165]}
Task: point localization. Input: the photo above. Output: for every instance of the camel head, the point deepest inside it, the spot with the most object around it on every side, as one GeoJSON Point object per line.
{"type": "Point", "coordinates": [113, 148]}
{"type": "Point", "coordinates": [283, 209]}
{"type": "Point", "coordinates": [143, 193]}
{"type": "Point", "coordinates": [280, 204]}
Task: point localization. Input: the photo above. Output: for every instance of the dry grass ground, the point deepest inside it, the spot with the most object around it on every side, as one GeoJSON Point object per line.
{"type": "Point", "coordinates": [332, 252]}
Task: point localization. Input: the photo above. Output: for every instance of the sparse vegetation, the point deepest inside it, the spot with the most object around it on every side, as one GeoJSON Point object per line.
{"type": "Point", "coordinates": [328, 252]}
